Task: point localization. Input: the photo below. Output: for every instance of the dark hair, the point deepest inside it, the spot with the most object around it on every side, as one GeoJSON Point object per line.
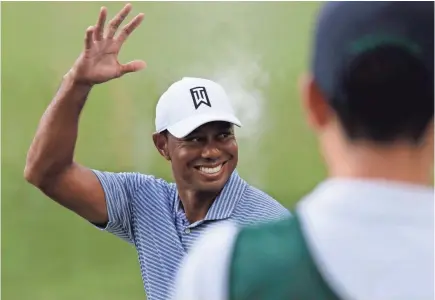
{"type": "Point", "coordinates": [386, 95]}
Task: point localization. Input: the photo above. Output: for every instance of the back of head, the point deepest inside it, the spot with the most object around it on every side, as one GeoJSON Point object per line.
{"type": "Point", "coordinates": [373, 63]}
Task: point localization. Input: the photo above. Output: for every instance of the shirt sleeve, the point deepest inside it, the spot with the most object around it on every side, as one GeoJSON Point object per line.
{"type": "Point", "coordinates": [120, 190]}
{"type": "Point", "coordinates": [204, 272]}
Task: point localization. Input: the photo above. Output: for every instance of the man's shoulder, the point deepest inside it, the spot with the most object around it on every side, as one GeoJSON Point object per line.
{"type": "Point", "coordinates": [151, 184]}
{"type": "Point", "coordinates": [260, 201]}
{"type": "Point", "coordinates": [255, 193]}
{"type": "Point", "coordinates": [134, 181]}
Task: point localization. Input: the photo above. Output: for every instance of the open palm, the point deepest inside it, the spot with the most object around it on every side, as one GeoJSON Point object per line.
{"type": "Point", "coordinates": [98, 62]}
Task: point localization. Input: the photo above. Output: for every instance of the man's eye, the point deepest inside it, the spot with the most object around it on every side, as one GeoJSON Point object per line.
{"type": "Point", "coordinates": [224, 135]}
{"type": "Point", "coordinates": [193, 139]}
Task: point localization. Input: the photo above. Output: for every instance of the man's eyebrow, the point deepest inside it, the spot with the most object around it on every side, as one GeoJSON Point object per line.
{"type": "Point", "coordinates": [195, 132]}
{"type": "Point", "coordinates": [190, 135]}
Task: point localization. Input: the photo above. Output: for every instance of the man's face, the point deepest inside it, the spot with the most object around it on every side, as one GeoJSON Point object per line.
{"type": "Point", "coordinates": [205, 159]}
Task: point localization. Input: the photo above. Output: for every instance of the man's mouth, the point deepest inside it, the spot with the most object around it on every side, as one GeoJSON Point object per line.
{"type": "Point", "coordinates": [211, 169]}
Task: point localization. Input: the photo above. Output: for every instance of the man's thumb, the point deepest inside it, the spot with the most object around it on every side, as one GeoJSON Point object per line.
{"type": "Point", "coordinates": [133, 66]}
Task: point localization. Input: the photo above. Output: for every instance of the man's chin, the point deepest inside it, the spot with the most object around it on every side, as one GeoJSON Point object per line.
{"type": "Point", "coordinates": [208, 184]}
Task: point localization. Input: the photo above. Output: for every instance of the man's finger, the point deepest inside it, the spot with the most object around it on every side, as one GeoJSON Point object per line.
{"type": "Point", "coordinates": [117, 20]}
{"type": "Point", "coordinates": [99, 28]}
{"type": "Point", "coordinates": [130, 27]}
{"type": "Point", "coordinates": [89, 40]}
{"type": "Point", "coordinates": [132, 66]}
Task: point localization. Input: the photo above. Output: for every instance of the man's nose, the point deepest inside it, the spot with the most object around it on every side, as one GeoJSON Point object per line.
{"type": "Point", "coordinates": [211, 151]}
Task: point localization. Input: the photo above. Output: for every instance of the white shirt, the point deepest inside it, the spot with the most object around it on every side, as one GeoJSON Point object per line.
{"type": "Point", "coordinates": [374, 239]}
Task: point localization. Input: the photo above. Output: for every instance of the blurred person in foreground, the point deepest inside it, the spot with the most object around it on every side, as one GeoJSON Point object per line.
{"type": "Point", "coordinates": [367, 231]}
{"type": "Point", "coordinates": [194, 131]}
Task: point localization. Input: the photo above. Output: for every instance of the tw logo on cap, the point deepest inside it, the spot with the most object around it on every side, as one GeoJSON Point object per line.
{"type": "Point", "coordinates": [199, 96]}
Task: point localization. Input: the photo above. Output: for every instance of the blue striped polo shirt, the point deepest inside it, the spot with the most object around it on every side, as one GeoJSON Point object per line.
{"type": "Point", "coordinates": [146, 212]}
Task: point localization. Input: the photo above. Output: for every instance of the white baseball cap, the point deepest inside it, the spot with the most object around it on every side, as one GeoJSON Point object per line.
{"type": "Point", "coordinates": [190, 103]}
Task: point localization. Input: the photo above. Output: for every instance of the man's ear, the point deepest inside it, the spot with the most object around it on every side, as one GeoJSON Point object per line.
{"type": "Point", "coordinates": [161, 143]}
{"type": "Point", "coordinates": [317, 110]}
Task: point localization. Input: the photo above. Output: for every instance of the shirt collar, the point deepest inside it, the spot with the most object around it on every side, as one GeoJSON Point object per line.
{"type": "Point", "coordinates": [225, 203]}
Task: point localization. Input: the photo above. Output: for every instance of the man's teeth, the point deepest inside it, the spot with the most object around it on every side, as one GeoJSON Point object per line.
{"type": "Point", "coordinates": [210, 170]}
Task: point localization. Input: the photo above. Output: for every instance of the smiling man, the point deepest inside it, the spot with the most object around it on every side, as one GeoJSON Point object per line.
{"type": "Point", "coordinates": [194, 131]}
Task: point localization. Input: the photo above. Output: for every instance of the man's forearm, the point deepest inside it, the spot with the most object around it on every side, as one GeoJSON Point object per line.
{"type": "Point", "coordinates": [52, 149]}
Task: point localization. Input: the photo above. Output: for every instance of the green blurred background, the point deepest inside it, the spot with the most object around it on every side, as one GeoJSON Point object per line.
{"type": "Point", "coordinates": [256, 50]}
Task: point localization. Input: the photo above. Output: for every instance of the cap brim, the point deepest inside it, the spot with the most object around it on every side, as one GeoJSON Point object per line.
{"type": "Point", "coordinates": [186, 126]}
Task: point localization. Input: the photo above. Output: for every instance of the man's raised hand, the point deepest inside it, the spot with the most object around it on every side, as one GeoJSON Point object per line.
{"type": "Point", "coordinates": [98, 62]}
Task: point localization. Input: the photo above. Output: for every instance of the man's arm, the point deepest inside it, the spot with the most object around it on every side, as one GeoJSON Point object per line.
{"type": "Point", "coordinates": [204, 272]}
{"type": "Point", "coordinates": [50, 165]}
